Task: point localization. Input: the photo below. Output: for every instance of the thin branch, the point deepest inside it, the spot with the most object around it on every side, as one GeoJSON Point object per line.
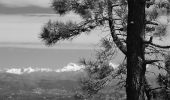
{"type": "Point", "coordinates": [150, 22]}
{"type": "Point", "coordinates": [160, 46]}
{"type": "Point", "coordinates": [151, 61]}
{"type": "Point", "coordinates": [115, 5]}
{"type": "Point", "coordinates": [156, 45]}
{"type": "Point", "coordinates": [157, 88]}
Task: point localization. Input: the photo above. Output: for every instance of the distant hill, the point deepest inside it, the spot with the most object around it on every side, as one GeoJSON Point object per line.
{"type": "Point", "coordinates": [12, 83]}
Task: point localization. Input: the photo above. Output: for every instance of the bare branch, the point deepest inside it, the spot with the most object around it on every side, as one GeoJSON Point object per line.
{"type": "Point", "coordinates": [150, 22]}
{"type": "Point", "coordinates": [115, 5]}
{"type": "Point", "coordinates": [122, 34]}
{"type": "Point", "coordinates": [160, 46]}
{"type": "Point", "coordinates": [151, 61]}
{"type": "Point", "coordinates": [156, 45]}
{"type": "Point", "coordinates": [157, 88]}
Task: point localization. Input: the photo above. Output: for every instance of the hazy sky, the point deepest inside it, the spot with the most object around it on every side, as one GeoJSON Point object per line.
{"type": "Point", "coordinates": [22, 20]}
{"type": "Point", "coordinates": [20, 26]}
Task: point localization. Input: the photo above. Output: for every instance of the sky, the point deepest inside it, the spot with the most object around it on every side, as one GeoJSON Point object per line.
{"type": "Point", "coordinates": [21, 21]}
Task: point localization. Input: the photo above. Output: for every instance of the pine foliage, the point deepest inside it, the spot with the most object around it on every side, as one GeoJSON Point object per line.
{"type": "Point", "coordinates": [112, 15]}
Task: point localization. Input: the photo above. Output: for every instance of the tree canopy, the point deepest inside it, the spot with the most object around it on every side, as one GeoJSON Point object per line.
{"type": "Point", "coordinates": [135, 27]}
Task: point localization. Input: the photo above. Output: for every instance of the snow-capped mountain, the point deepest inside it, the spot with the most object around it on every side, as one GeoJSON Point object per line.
{"type": "Point", "coordinates": [71, 67]}
{"type": "Point", "coordinates": [28, 70]}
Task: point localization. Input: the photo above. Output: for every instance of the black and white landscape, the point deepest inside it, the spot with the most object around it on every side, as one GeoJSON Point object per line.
{"type": "Point", "coordinates": [84, 50]}
{"type": "Point", "coordinates": [40, 83]}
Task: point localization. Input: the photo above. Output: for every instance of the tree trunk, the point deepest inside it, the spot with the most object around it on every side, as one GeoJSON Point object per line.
{"type": "Point", "coordinates": [135, 50]}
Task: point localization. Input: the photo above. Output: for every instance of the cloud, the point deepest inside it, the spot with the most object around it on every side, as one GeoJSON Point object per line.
{"type": "Point", "coordinates": [25, 3]}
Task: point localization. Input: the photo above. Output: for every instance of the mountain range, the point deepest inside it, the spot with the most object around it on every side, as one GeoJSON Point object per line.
{"type": "Point", "coordinates": [71, 67]}
{"type": "Point", "coordinates": [29, 70]}
{"type": "Point", "coordinates": [48, 82]}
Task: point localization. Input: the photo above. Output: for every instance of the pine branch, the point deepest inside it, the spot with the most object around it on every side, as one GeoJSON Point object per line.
{"type": "Point", "coordinates": [55, 31]}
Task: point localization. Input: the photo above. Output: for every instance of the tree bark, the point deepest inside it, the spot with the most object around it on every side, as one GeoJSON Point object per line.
{"type": "Point", "coordinates": [135, 50]}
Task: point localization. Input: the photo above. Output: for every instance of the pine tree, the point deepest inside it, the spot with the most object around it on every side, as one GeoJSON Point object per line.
{"type": "Point", "coordinates": [132, 25]}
